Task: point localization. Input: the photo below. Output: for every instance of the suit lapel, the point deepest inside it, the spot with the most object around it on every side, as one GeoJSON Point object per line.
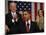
{"type": "Point", "coordinates": [31, 27]}
{"type": "Point", "coordinates": [10, 15]}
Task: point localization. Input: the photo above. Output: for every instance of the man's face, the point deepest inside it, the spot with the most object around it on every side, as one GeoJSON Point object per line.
{"type": "Point", "coordinates": [26, 15]}
{"type": "Point", "coordinates": [13, 7]}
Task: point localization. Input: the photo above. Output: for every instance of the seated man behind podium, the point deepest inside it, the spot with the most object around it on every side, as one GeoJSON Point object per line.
{"type": "Point", "coordinates": [28, 26]}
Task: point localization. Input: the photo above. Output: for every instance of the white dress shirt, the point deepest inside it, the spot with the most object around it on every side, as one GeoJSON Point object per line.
{"type": "Point", "coordinates": [14, 14]}
{"type": "Point", "coordinates": [29, 21]}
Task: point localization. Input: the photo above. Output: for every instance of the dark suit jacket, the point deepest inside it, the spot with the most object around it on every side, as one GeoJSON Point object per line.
{"type": "Point", "coordinates": [19, 26]}
{"type": "Point", "coordinates": [14, 28]}
{"type": "Point", "coordinates": [33, 28]}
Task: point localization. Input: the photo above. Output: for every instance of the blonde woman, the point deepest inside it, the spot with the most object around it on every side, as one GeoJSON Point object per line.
{"type": "Point", "coordinates": [40, 20]}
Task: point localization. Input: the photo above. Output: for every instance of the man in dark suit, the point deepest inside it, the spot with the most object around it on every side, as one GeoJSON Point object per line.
{"type": "Point", "coordinates": [27, 26]}
{"type": "Point", "coordinates": [13, 19]}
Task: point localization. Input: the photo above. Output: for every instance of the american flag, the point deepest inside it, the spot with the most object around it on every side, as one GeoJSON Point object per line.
{"type": "Point", "coordinates": [33, 7]}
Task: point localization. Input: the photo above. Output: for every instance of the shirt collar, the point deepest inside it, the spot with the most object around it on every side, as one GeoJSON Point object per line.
{"type": "Point", "coordinates": [29, 21]}
{"type": "Point", "coordinates": [13, 13]}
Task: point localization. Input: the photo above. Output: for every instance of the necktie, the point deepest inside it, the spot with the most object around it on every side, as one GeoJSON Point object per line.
{"type": "Point", "coordinates": [27, 27]}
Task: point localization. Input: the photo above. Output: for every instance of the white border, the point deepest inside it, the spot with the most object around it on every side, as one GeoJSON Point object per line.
{"type": "Point", "coordinates": [2, 17]}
